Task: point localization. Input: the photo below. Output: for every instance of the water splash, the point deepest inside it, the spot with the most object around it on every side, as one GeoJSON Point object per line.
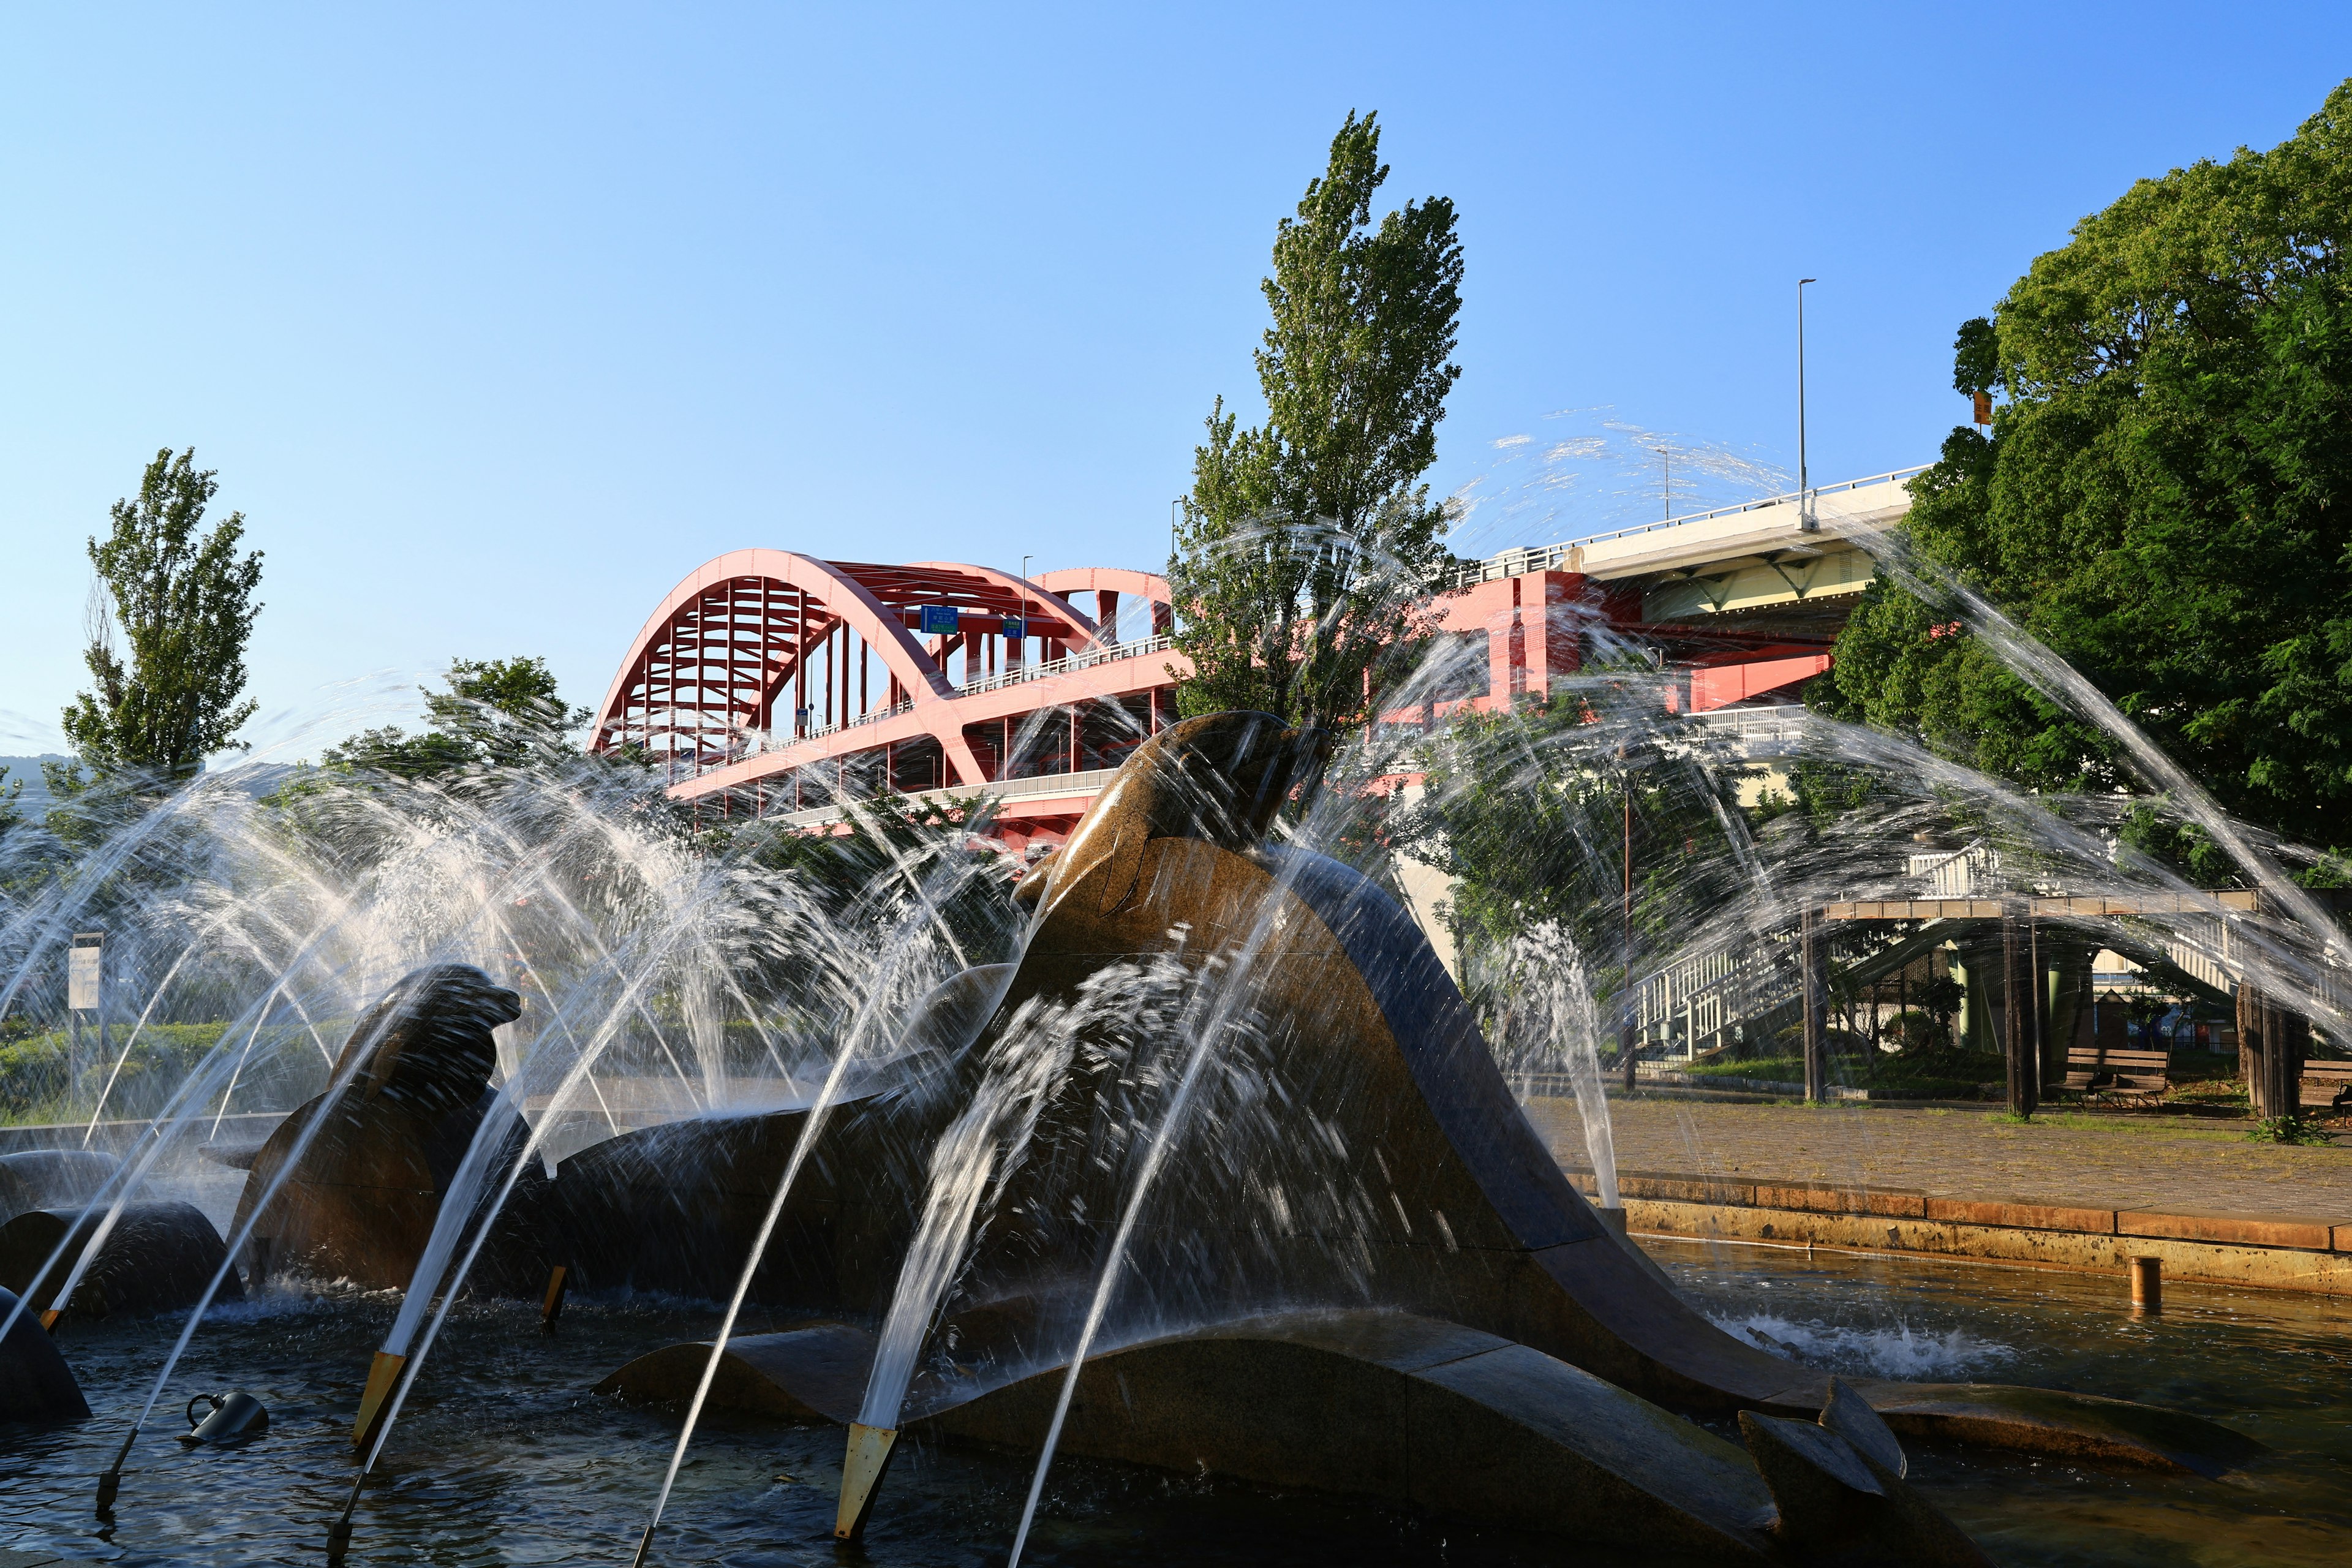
{"type": "Point", "coordinates": [1549, 1029]}
{"type": "Point", "coordinates": [1898, 1351]}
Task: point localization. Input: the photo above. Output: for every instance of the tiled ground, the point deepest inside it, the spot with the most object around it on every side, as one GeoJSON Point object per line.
{"type": "Point", "coordinates": [2093, 1161]}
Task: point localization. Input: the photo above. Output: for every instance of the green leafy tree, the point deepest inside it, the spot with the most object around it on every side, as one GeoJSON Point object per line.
{"type": "Point", "coordinates": [12, 815]}
{"type": "Point", "coordinates": [498, 713]}
{"type": "Point", "coordinates": [1528, 821]}
{"type": "Point", "coordinates": [181, 599]}
{"type": "Point", "coordinates": [1306, 541]}
{"type": "Point", "coordinates": [2163, 500]}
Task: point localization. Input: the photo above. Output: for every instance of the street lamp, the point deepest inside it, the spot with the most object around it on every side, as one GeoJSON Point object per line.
{"type": "Point", "coordinates": [1805, 522]}
{"type": "Point", "coordinates": [1667, 484]}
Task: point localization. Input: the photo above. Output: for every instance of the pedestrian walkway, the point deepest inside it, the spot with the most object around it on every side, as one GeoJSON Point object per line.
{"type": "Point", "coordinates": [2062, 1158]}
{"type": "Point", "coordinates": [2066, 1191]}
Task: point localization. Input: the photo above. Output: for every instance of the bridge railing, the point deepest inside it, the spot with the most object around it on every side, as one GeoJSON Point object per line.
{"type": "Point", "coordinates": [760, 742]}
{"type": "Point", "coordinates": [1554, 557]}
{"type": "Point", "coordinates": [1066, 665]}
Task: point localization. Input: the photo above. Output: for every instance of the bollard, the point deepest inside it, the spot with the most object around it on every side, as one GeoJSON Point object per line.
{"type": "Point", "coordinates": [2147, 1284]}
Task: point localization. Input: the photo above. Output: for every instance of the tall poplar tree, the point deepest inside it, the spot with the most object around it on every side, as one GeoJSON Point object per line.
{"type": "Point", "coordinates": [1307, 542]}
{"type": "Point", "coordinates": [181, 599]}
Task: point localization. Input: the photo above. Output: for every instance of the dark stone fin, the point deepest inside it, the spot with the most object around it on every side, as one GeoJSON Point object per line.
{"type": "Point", "coordinates": [35, 1383]}
{"type": "Point", "coordinates": [1838, 1508]}
{"type": "Point", "coordinates": [1852, 1418]}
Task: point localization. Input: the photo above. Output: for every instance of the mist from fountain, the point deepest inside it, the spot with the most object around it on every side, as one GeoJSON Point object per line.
{"type": "Point", "coordinates": [1551, 1030]}
{"type": "Point", "coordinates": [978, 1153]}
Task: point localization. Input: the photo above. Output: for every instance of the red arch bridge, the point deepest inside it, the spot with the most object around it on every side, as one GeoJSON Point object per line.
{"type": "Point", "coordinates": [766, 682]}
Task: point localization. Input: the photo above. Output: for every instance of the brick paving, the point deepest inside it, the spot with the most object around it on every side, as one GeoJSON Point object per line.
{"type": "Point", "coordinates": [2063, 1158]}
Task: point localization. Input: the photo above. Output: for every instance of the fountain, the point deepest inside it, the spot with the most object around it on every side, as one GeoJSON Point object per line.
{"type": "Point", "coordinates": [1384, 1261]}
{"type": "Point", "coordinates": [1209, 1167]}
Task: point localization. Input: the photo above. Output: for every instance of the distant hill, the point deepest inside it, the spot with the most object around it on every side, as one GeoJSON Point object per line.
{"type": "Point", "coordinates": [256, 781]}
{"type": "Point", "coordinates": [36, 798]}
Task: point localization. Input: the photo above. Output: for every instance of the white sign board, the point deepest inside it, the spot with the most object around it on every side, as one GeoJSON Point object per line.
{"type": "Point", "coordinates": [81, 979]}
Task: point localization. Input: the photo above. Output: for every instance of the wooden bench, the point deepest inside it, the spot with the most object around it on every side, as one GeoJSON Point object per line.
{"type": "Point", "coordinates": [2327, 1084]}
{"type": "Point", "coordinates": [2118, 1072]}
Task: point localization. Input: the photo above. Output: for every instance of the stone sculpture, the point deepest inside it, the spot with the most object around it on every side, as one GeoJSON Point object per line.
{"type": "Point", "coordinates": [359, 1200]}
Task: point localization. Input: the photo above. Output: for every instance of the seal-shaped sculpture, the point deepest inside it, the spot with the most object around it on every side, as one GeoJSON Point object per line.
{"type": "Point", "coordinates": [377, 1154]}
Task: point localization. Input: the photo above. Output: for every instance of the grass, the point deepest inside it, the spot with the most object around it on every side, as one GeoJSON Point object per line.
{"type": "Point", "coordinates": [1947, 1075]}
{"type": "Point", "coordinates": [40, 1081]}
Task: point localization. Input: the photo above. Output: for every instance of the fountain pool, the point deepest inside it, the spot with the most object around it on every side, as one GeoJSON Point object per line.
{"type": "Point", "coordinates": [506, 1458]}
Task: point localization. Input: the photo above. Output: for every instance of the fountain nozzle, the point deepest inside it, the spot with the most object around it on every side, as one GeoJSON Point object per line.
{"type": "Point", "coordinates": [551, 1308]}
{"type": "Point", "coordinates": [862, 1468]}
{"type": "Point", "coordinates": [111, 1482]}
{"type": "Point", "coordinates": [383, 1372]}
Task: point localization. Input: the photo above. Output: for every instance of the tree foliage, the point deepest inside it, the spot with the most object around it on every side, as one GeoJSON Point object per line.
{"type": "Point", "coordinates": [498, 713]}
{"type": "Point", "coordinates": [1527, 817]}
{"type": "Point", "coordinates": [1305, 539]}
{"type": "Point", "coordinates": [181, 599]}
{"type": "Point", "coordinates": [2164, 499]}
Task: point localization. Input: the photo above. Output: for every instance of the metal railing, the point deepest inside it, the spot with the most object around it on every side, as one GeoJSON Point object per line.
{"type": "Point", "coordinates": [1067, 664]}
{"type": "Point", "coordinates": [765, 741]}
{"type": "Point", "coordinates": [1775, 730]}
{"type": "Point", "coordinates": [1088, 782]}
{"type": "Point", "coordinates": [1554, 557]}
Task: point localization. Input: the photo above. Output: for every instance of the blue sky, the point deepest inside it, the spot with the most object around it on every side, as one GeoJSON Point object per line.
{"type": "Point", "coordinates": [497, 321]}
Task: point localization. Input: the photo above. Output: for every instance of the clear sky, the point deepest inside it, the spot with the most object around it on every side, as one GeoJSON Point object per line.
{"type": "Point", "coordinates": [497, 321]}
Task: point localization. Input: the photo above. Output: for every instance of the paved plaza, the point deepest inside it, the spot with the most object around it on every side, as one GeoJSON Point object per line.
{"type": "Point", "coordinates": [2107, 1161]}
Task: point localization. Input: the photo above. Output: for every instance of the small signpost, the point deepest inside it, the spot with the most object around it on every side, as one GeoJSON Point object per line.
{"type": "Point", "coordinates": [941, 620]}
{"type": "Point", "coordinates": [86, 992]}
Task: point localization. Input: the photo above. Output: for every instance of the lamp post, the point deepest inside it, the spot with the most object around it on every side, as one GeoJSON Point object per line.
{"type": "Point", "coordinates": [1666, 483]}
{"type": "Point", "coordinates": [1805, 523]}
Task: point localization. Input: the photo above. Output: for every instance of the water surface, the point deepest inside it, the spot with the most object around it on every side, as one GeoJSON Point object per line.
{"type": "Point", "coordinates": [504, 1457]}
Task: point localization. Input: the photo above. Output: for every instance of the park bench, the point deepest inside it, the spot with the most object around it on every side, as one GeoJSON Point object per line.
{"type": "Point", "coordinates": [2117, 1072]}
{"type": "Point", "coordinates": [2327, 1084]}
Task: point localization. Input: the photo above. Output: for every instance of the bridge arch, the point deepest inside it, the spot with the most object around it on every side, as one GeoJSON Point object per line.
{"type": "Point", "coordinates": [702, 680]}
{"type": "Point", "coordinates": [1106, 584]}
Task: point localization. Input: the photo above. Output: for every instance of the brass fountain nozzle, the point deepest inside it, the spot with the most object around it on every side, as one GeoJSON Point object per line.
{"type": "Point", "coordinates": [383, 1372]}
{"type": "Point", "coordinates": [862, 1468]}
{"type": "Point", "coordinates": [550, 1308]}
